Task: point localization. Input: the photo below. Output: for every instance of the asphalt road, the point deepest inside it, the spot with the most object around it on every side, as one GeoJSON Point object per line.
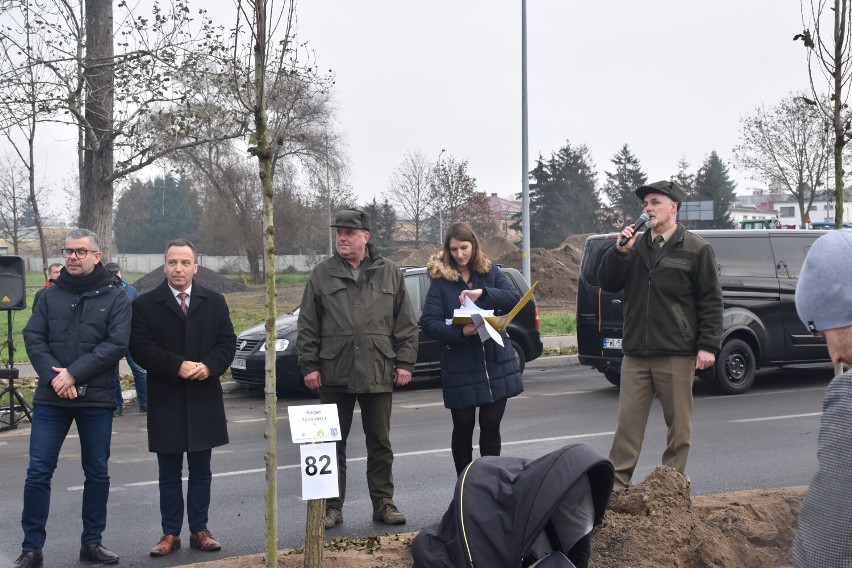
{"type": "Point", "coordinates": [766, 438]}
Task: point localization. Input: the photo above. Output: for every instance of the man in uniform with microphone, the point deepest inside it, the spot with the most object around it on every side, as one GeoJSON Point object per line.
{"type": "Point", "coordinates": [672, 325]}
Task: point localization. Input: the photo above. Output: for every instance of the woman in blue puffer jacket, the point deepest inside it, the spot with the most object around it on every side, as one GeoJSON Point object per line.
{"type": "Point", "coordinates": [474, 374]}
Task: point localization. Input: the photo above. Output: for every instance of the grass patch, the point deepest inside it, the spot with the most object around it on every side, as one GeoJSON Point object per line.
{"type": "Point", "coordinates": [562, 322]}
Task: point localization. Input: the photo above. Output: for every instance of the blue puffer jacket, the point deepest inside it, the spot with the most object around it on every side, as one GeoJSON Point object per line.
{"type": "Point", "coordinates": [473, 373]}
{"type": "Point", "coordinates": [86, 331]}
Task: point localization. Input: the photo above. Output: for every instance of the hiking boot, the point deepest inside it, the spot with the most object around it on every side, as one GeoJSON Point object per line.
{"type": "Point", "coordinates": [332, 517]}
{"type": "Point", "coordinates": [389, 515]}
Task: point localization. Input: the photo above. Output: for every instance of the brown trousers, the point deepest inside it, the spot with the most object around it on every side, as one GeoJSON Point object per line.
{"type": "Point", "coordinates": [669, 378]}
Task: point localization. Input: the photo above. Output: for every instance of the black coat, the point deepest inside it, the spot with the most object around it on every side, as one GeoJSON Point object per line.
{"type": "Point", "coordinates": [183, 415]}
{"type": "Point", "coordinates": [84, 331]}
{"type": "Point", "coordinates": [473, 372]}
{"type": "Point", "coordinates": [507, 512]}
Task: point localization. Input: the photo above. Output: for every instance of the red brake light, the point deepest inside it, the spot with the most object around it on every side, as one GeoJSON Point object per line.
{"type": "Point", "coordinates": [537, 321]}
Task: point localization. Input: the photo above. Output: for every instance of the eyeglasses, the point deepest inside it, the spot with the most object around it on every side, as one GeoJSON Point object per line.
{"type": "Point", "coordinates": [79, 253]}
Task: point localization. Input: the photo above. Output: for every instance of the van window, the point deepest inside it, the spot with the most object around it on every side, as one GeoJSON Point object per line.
{"type": "Point", "coordinates": [743, 256]}
{"type": "Point", "coordinates": [790, 252]}
{"type": "Point", "coordinates": [592, 256]}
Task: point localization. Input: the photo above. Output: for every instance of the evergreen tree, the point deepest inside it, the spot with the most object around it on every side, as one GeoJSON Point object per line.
{"type": "Point", "coordinates": [620, 187]}
{"type": "Point", "coordinates": [151, 214]}
{"type": "Point", "coordinates": [713, 182]}
{"type": "Point", "coordinates": [383, 221]}
{"type": "Point", "coordinates": [685, 179]}
{"type": "Point", "coordinates": [564, 197]}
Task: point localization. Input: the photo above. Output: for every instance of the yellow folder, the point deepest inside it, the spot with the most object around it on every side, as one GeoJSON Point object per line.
{"type": "Point", "coordinates": [497, 322]}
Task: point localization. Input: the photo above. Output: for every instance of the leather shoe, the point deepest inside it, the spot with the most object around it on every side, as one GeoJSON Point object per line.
{"type": "Point", "coordinates": [95, 553]}
{"type": "Point", "coordinates": [203, 540]}
{"type": "Point", "coordinates": [168, 542]}
{"type": "Point", "coordinates": [389, 514]}
{"type": "Point", "coordinates": [29, 560]}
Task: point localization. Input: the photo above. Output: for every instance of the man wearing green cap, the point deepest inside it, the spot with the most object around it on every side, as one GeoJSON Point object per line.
{"type": "Point", "coordinates": [357, 339]}
{"type": "Point", "coordinates": [672, 325]}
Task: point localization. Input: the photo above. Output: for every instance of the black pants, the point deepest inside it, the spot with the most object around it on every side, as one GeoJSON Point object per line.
{"type": "Point", "coordinates": [464, 420]}
{"type": "Point", "coordinates": [197, 490]}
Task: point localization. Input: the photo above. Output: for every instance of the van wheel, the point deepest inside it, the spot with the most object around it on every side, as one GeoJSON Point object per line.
{"type": "Point", "coordinates": [519, 353]}
{"type": "Point", "coordinates": [613, 377]}
{"type": "Point", "coordinates": [735, 367]}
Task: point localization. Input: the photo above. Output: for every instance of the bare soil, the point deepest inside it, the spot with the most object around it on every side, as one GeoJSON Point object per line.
{"type": "Point", "coordinates": [655, 524]}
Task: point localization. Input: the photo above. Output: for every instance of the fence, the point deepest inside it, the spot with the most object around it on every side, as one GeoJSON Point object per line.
{"type": "Point", "coordinates": [146, 263]}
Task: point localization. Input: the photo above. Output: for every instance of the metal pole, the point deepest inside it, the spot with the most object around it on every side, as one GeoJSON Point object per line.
{"type": "Point", "coordinates": [328, 191]}
{"type": "Point", "coordinates": [440, 201]}
{"type": "Point", "coordinates": [525, 179]}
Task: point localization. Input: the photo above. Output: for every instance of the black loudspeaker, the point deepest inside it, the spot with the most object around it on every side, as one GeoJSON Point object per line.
{"type": "Point", "coordinates": [13, 291]}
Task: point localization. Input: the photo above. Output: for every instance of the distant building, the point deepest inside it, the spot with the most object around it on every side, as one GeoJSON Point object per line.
{"type": "Point", "coordinates": [505, 211]}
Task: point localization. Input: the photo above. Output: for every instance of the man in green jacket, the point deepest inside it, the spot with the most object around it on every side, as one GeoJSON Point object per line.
{"type": "Point", "coordinates": [672, 325]}
{"type": "Point", "coordinates": [357, 339]}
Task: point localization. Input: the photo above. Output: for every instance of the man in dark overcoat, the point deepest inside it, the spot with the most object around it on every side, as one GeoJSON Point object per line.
{"type": "Point", "coordinates": [183, 335]}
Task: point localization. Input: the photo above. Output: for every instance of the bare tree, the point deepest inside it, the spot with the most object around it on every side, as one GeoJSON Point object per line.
{"type": "Point", "coordinates": [410, 189]}
{"type": "Point", "coordinates": [14, 199]}
{"type": "Point", "coordinates": [789, 146]}
{"type": "Point", "coordinates": [453, 189]}
{"type": "Point", "coordinates": [129, 88]}
{"type": "Point", "coordinates": [829, 52]}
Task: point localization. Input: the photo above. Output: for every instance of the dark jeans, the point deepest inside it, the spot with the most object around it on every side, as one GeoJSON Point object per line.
{"type": "Point", "coordinates": [375, 418]}
{"type": "Point", "coordinates": [50, 425]}
{"type": "Point", "coordinates": [197, 490]}
{"type": "Point", "coordinates": [140, 380]}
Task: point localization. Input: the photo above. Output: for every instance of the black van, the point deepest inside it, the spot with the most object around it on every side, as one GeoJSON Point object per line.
{"type": "Point", "coordinates": [758, 270]}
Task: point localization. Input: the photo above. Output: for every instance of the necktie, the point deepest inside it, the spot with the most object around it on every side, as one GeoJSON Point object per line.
{"type": "Point", "coordinates": [658, 241]}
{"type": "Point", "coordinates": [183, 305]}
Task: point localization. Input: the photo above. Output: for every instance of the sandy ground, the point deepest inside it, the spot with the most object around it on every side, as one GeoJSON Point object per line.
{"type": "Point", "coordinates": [655, 524]}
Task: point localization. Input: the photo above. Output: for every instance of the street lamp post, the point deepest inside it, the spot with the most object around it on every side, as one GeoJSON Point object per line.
{"type": "Point", "coordinates": [328, 191]}
{"type": "Point", "coordinates": [439, 200]}
{"type": "Point", "coordinates": [525, 180]}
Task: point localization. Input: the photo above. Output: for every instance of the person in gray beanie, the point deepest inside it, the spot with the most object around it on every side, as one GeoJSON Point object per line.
{"type": "Point", "coordinates": [824, 304]}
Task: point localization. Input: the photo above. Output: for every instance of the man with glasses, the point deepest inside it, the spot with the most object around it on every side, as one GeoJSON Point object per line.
{"type": "Point", "coordinates": [75, 337]}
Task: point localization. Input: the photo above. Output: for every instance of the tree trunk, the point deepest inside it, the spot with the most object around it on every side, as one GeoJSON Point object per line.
{"type": "Point", "coordinates": [840, 15]}
{"type": "Point", "coordinates": [264, 159]}
{"type": "Point", "coordinates": [96, 190]}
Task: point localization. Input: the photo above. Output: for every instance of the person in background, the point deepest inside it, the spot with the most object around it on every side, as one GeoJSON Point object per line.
{"type": "Point", "coordinates": [474, 373]}
{"type": "Point", "coordinates": [824, 535]}
{"type": "Point", "coordinates": [183, 335]}
{"type": "Point", "coordinates": [672, 325]}
{"type": "Point", "coordinates": [140, 377]}
{"type": "Point", "coordinates": [357, 339]}
{"type": "Point", "coordinates": [76, 335]}
{"type": "Point", "coordinates": [52, 274]}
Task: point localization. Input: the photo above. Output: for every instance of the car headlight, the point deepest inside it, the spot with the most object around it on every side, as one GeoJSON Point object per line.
{"type": "Point", "coordinates": [280, 345]}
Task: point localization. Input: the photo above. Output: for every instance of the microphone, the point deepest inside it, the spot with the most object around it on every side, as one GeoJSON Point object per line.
{"type": "Point", "coordinates": [640, 222]}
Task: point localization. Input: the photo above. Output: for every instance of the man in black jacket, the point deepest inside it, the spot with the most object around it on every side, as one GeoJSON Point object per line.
{"type": "Point", "coordinates": [672, 325]}
{"type": "Point", "coordinates": [183, 336]}
{"type": "Point", "coordinates": [75, 337]}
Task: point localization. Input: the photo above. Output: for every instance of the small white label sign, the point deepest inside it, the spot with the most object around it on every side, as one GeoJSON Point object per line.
{"type": "Point", "coordinates": [314, 423]}
{"type": "Point", "coordinates": [319, 471]}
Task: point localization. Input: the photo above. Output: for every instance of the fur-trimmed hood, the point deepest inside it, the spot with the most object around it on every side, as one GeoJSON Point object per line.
{"type": "Point", "coordinates": [438, 269]}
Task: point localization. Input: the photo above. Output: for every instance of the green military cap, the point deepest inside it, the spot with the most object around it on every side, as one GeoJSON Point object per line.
{"type": "Point", "coordinates": [668, 188]}
{"type": "Point", "coordinates": [353, 219]}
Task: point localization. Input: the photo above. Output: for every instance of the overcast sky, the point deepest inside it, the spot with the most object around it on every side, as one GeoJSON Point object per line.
{"type": "Point", "coordinates": [671, 78]}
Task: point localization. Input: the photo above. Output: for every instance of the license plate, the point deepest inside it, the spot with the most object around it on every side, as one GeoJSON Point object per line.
{"type": "Point", "coordinates": [239, 363]}
{"type": "Point", "coordinates": [611, 343]}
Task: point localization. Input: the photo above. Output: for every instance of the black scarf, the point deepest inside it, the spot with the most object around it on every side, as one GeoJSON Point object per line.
{"type": "Point", "coordinates": [100, 276]}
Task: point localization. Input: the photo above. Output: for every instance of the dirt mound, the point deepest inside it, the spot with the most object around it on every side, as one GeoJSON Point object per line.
{"type": "Point", "coordinates": [401, 254]}
{"type": "Point", "coordinates": [656, 524]}
{"type": "Point", "coordinates": [205, 277]}
{"type": "Point", "coordinates": [556, 272]}
{"type": "Point", "coordinates": [420, 256]}
{"type": "Point", "coordinates": [496, 247]}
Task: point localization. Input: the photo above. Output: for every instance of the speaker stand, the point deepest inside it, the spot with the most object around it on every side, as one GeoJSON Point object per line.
{"type": "Point", "coordinates": [10, 374]}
